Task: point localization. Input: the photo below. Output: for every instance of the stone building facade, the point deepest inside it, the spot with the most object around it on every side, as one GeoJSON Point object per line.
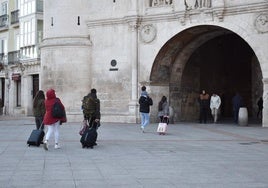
{"type": "Point", "coordinates": [174, 47]}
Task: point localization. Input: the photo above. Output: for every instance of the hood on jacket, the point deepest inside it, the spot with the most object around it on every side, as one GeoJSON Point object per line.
{"type": "Point", "coordinates": [51, 94]}
{"type": "Point", "coordinates": [144, 93]}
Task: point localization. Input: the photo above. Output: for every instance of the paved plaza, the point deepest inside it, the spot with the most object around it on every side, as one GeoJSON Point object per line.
{"type": "Point", "coordinates": [191, 155]}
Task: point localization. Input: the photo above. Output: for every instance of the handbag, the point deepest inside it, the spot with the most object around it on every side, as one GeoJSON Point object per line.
{"type": "Point", "coordinates": [83, 127]}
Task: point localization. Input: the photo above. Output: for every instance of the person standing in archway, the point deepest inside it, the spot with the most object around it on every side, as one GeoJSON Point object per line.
{"type": "Point", "coordinates": [237, 102]}
{"type": "Point", "coordinates": [260, 107]}
{"type": "Point", "coordinates": [215, 102]}
{"type": "Point", "coordinates": [204, 106]}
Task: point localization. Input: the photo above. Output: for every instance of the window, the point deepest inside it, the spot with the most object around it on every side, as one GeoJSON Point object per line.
{"type": "Point", "coordinates": [4, 8]}
{"type": "Point", "coordinates": [17, 43]}
{"type": "Point", "coordinates": [18, 93]}
{"type": "Point", "coordinates": [27, 7]}
{"type": "Point", "coordinates": [28, 33]}
{"type": "Point", "coordinates": [3, 46]}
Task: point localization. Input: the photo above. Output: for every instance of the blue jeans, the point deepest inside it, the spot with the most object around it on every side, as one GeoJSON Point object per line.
{"type": "Point", "coordinates": [144, 119]}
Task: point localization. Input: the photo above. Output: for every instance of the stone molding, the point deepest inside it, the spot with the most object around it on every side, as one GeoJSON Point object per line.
{"type": "Point", "coordinates": [220, 11]}
{"type": "Point", "coordinates": [66, 41]}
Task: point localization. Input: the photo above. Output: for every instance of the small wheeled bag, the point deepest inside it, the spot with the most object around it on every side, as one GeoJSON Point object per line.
{"type": "Point", "coordinates": [36, 137]}
{"type": "Point", "coordinates": [89, 138]}
{"type": "Point", "coordinates": [162, 126]}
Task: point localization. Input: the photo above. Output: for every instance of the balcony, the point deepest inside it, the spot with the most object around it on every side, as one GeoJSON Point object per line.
{"type": "Point", "coordinates": [15, 17]}
{"type": "Point", "coordinates": [3, 21]}
{"type": "Point", "coordinates": [13, 57]}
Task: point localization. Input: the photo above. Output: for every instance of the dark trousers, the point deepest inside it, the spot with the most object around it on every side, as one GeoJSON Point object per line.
{"type": "Point", "coordinates": [91, 122]}
{"type": "Point", "coordinates": [236, 111]}
{"type": "Point", "coordinates": [39, 122]}
{"type": "Point", "coordinates": [203, 115]}
{"type": "Point", "coordinates": [259, 112]}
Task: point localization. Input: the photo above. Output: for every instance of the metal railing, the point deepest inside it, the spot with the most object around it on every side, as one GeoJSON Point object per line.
{"type": "Point", "coordinates": [156, 3]}
{"type": "Point", "coordinates": [4, 20]}
{"type": "Point", "coordinates": [14, 17]}
{"type": "Point", "coordinates": [13, 57]}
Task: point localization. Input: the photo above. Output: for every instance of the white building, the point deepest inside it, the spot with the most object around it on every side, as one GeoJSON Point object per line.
{"type": "Point", "coordinates": [20, 33]}
{"type": "Point", "coordinates": [174, 47]}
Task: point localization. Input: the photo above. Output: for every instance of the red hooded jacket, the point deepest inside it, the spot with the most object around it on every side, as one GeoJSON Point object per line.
{"type": "Point", "coordinates": [49, 102]}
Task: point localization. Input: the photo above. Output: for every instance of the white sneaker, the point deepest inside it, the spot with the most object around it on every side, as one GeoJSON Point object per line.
{"type": "Point", "coordinates": [142, 129]}
{"type": "Point", "coordinates": [45, 145]}
{"type": "Point", "coordinates": [57, 146]}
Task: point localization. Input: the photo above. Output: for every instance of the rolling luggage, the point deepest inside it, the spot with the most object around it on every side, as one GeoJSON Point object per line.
{"type": "Point", "coordinates": [89, 138]}
{"type": "Point", "coordinates": [36, 137]}
{"type": "Point", "coordinates": [162, 126]}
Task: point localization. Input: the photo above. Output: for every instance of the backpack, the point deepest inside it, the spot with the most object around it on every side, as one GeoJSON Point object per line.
{"type": "Point", "coordinates": [57, 111]}
{"type": "Point", "coordinates": [89, 106]}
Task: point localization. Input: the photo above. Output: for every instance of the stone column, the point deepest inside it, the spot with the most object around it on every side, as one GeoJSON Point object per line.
{"type": "Point", "coordinates": [265, 103]}
{"type": "Point", "coordinates": [133, 104]}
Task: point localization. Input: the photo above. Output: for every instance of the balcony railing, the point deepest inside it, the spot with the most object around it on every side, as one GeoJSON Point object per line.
{"type": "Point", "coordinates": [13, 57]}
{"type": "Point", "coordinates": [15, 17]}
{"type": "Point", "coordinates": [156, 3]}
{"type": "Point", "coordinates": [3, 20]}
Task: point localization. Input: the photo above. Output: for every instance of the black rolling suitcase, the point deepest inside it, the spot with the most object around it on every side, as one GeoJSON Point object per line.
{"type": "Point", "coordinates": [36, 137]}
{"type": "Point", "coordinates": [89, 138]}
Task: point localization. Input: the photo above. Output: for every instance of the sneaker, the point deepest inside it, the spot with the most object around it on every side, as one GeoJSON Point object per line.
{"type": "Point", "coordinates": [142, 129]}
{"type": "Point", "coordinates": [45, 145]}
{"type": "Point", "coordinates": [57, 146]}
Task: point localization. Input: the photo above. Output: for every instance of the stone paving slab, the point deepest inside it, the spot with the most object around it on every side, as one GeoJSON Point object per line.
{"type": "Point", "coordinates": [191, 155]}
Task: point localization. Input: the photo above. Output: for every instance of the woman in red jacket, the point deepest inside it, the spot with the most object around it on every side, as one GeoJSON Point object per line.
{"type": "Point", "coordinates": [51, 122]}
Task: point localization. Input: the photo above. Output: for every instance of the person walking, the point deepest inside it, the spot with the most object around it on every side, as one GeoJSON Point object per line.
{"type": "Point", "coordinates": [204, 106]}
{"type": "Point", "coordinates": [163, 109]}
{"type": "Point", "coordinates": [215, 102]}
{"type": "Point", "coordinates": [145, 102]}
{"type": "Point", "coordinates": [52, 123]}
{"type": "Point", "coordinates": [91, 109]}
{"type": "Point", "coordinates": [39, 109]}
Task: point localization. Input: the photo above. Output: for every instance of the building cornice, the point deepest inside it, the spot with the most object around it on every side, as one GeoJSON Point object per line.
{"type": "Point", "coordinates": [227, 11]}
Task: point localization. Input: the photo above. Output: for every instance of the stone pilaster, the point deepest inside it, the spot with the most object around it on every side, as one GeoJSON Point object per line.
{"type": "Point", "coordinates": [265, 103]}
{"type": "Point", "coordinates": [133, 104]}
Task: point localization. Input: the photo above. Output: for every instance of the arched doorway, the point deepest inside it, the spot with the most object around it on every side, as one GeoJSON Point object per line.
{"type": "Point", "coordinates": [211, 58]}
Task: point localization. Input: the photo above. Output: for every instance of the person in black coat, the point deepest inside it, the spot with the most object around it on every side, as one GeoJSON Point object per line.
{"type": "Point", "coordinates": [145, 102]}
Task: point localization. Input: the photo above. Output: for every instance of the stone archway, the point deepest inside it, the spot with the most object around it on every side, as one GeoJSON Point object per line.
{"type": "Point", "coordinates": [210, 58]}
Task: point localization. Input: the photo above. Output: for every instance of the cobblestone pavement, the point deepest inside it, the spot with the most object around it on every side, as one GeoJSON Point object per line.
{"type": "Point", "coordinates": [191, 155]}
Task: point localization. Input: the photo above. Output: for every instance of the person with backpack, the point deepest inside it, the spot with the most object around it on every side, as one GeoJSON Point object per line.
{"type": "Point", "coordinates": [145, 102]}
{"type": "Point", "coordinates": [50, 120]}
{"type": "Point", "coordinates": [91, 109]}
